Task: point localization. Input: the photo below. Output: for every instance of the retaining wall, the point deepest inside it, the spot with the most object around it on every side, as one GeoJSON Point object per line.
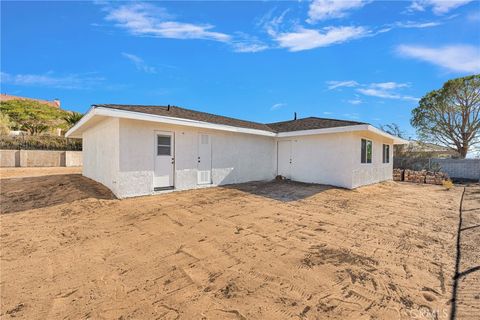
{"type": "Point", "coordinates": [40, 158]}
{"type": "Point", "coordinates": [9, 158]}
{"type": "Point", "coordinates": [455, 168]}
{"type": "Point", "coordinates": [460, 168]}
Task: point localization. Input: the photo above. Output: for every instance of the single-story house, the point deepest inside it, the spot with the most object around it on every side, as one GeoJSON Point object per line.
{"type": "Point", "coordinates": [140, 150]}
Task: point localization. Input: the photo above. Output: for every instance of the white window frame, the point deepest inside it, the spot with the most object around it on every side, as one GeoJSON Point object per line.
{"type": "Point", "coordinates": [366, 157]}
{"type": "Point", "coordinates": [385, 155]}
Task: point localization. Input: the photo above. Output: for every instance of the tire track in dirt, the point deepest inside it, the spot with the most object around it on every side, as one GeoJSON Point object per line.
{"type": "Point", "coordinates": [466, 285]}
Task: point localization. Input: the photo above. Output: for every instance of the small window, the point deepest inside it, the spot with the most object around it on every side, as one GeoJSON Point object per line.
{"type": "Point", "coordinates": [164, 145]}
{"type": "Point", "coordinates": [386, 153]}
{"type": "Point", "coordinates": [366, 151]}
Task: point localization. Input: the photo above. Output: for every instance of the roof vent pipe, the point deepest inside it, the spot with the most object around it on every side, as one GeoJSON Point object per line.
{"type": "Point", "coordinates": [168, 108]}
{"type": "Point", "coordinates": [294, 116]}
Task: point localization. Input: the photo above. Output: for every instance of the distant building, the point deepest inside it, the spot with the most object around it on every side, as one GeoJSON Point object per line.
{"type": "Point", "coordinates": [6, 97]}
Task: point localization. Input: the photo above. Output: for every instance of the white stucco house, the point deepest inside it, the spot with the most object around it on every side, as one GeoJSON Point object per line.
{"type": "Point", "coordinates": [140, 150]}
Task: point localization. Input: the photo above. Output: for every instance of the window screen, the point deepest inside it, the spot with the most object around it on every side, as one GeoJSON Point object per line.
{"type": "Point", "coordinates": [366, 154]}
{"type": "Point", "coordinates": [386, 153]}
{"type": "Point", "coordinates": [164, 145]}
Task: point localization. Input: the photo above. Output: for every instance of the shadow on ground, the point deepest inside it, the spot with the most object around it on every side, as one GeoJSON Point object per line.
{"type": "Point", "coordinates": [20, 194]}
{"type": "Point", "coordinates": [284, 191]}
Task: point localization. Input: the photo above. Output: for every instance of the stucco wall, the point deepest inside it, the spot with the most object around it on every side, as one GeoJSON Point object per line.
{"type": "Point", "coordinates": [369, 173]}
{"type": "Point", "coordinates": [100, 153]}
{"type": "Point", "coordinates": [120, 153]}
{"type": "Point", "coordinates": [334, 159]}
{"type": "Point", "coordinates": [324, 159]}
{"type": "Point", "coordinates": [235, 157]}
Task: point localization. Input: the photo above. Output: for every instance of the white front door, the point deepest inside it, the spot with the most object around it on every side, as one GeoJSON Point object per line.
{"type": "Point", "coordinates": [164, 160]}
{"type": "Point", "coordinates": [204, 168]}
{"type": "Point", "coordinates": [284, 160]}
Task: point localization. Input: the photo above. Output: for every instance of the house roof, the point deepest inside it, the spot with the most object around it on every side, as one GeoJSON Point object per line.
{"type": "Point", "coordinates": [310, 123]}
{"type": "Point", "coordinates": [177, 112]}
{"type": "Point", "coordinates": [180, 116]}
{"type": "Point", "coordinates": [284, 126]}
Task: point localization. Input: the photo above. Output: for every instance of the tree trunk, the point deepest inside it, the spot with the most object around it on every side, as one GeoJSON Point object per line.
{"type": "Point", "coordinates": [463, 151]}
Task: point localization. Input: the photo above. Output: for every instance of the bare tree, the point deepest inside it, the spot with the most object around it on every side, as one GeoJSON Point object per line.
{"type": "Point", "coordinates": [394, 130]}
{"type": "Point", "coordinates": [451, 115]}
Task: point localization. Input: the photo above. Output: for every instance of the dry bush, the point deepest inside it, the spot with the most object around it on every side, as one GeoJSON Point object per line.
{"type": "Point", "coordinates": [447, 184]}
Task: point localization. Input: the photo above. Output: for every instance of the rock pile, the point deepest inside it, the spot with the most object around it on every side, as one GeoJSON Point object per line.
{"type": "Point", "coordinates": [422, 176]}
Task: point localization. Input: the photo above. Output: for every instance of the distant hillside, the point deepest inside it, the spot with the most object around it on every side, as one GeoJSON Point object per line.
{"type": "Point", "coordinates": [7, 97]}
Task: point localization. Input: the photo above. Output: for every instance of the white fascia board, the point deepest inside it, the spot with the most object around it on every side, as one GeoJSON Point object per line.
{"type": "Point", "coordinates": [396, 140]}
{"type": "Point", "coordinates": [99, 111]}
{"type": "Point", "coordinates": [90, 113]}
{"type": "Point", "coordinates": [360, 127]}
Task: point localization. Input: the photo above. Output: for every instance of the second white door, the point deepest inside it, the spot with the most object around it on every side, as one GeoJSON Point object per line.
{"type": "Point", "coordinates": [204, 169]}
{"type": "Point", "coordinates": [284, 159]}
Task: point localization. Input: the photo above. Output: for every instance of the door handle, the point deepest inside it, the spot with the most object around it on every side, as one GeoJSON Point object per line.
{"type": "Point", "coordinates": [198, 159]}
{"type": "Point", "coordinates": [173, 160]}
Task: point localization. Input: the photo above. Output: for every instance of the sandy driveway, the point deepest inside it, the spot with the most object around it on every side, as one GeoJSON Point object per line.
{"type": "Point", "coordinates": [252, 251]}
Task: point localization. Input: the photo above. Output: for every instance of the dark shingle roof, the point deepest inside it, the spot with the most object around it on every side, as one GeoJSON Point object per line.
{"type": "Point", "coordinates": [310, 124]}
{"type": "Point", "coordinates": [285, 126]}
{"type": "Point", "coordinates": [178, 112]}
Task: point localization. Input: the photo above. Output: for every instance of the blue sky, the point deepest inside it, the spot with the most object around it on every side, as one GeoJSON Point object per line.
{"type": "Point", "coordinates": [360, 60]}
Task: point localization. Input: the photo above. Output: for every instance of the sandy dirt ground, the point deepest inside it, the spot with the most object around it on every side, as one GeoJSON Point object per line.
{"type": "Point", "coordinates": [6, 173]}
{"type": "Point", "coordinates": [468, 292]}
{"type": "Point", "coordinates": [253, 251]}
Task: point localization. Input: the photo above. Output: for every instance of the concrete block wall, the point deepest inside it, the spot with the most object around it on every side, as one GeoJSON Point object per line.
{"type": "Point", "coordinates": [460, 168]}
{"type": "Point", "coordinates": [73, 159]}
{"type": "Point", "coordinates": [9, 158]}
{"type": "Point", "coordinates": [40, 158]}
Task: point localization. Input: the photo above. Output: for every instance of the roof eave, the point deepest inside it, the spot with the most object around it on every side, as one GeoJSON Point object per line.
{"type": "Point", "coordinates": [73, 132]}
{"type": "Point", "coordinates": [109, 112]}
{"type": "Point", "coordinates": [343, 129]}
{"type": "Point", "coordinates": [76, 131]}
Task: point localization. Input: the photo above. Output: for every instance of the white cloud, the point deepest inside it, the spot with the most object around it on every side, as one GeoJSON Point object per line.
{"type": "Point", "coordinates": [417, 25]}
{"type": "Point", "coordinates": [139, 63]}
{"type": "Point", "coordinates": [339, 84]}
{"type": "Point", "coordinates": [249, 47]}
{"type": "Point", "coordinates": [144, 19]}
{"type": "Point", "coordinates": [270, 23]}
{"type": "Point", "coordinates": [355, 101]}
{"type": "Point", "coordinates": [277, 106]}
{"type": "Point", "coordinates": [384, 93]}
{"type": "Point", "coordinates": [456, 58]}
{"type": "Point", "coordinates": [329, 9]}
{"type": "Point", "coordinates": [375, 89]}
{"type": "Point", "coordinates": [438, 6]}
{"type": "Point", "coordinates": [49, 79]}
{"type": "Point", "coordinates": [247, 43]}
{"type": "Point", "coordinates": [388, 85]}
{"type": "Point", "coordinates": [327, 113]}
{"type": "Point", "coordinates": [305, 39]}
